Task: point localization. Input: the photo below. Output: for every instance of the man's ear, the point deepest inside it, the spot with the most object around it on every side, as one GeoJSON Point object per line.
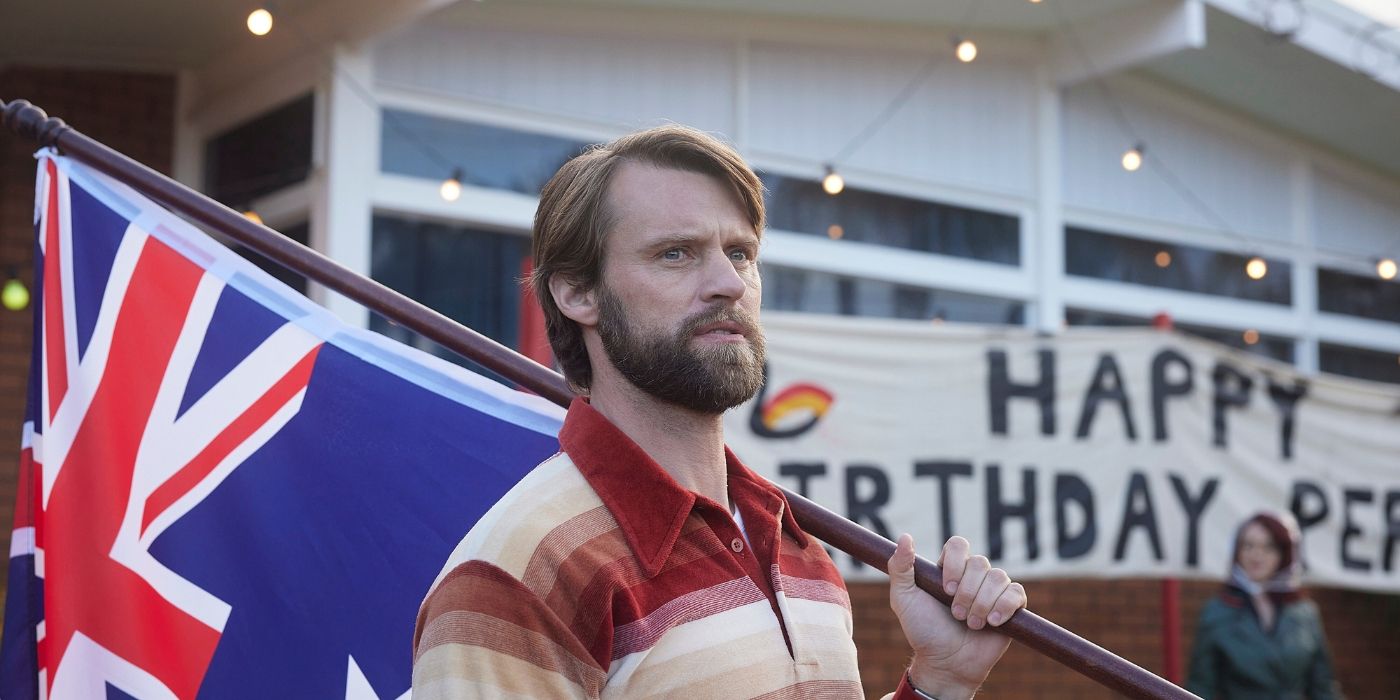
{"type": "Point", "coordinates": [580, 305]}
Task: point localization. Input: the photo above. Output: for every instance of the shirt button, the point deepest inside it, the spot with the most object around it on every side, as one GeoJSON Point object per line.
{"type": "Point", "coordinates": [737, 545]}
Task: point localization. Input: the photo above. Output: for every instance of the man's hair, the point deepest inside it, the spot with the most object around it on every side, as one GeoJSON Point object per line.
{"type": "Point", "coordinates": [572, 222]}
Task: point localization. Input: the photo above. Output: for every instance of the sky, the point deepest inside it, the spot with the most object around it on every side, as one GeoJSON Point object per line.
{"type": "Point", "coordinates": [1387, 11]}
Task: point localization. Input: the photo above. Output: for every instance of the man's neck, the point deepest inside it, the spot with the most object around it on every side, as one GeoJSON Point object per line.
{"type": "Point", "coordinates": [688, 445]}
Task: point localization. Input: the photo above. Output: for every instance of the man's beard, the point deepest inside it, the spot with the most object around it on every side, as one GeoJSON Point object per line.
{"type": "Point", "coordinates": [705, 380]}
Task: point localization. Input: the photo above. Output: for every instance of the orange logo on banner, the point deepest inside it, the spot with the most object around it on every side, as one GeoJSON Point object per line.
{"type": "Point", "coordinates": [785, 407]}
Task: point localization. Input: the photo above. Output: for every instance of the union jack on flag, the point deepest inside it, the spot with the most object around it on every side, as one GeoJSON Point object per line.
{"type": "Point", "coordinates": [225, 492]}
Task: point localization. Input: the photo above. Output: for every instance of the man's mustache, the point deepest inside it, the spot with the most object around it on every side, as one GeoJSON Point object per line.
{"type": "Point", "coordinates": [721, 314]}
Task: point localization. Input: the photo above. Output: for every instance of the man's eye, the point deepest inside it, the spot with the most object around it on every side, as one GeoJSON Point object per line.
{"type": "Point", "coordinates": [738, 255]}
{"type": "Point", "coordinates": [672, 254]}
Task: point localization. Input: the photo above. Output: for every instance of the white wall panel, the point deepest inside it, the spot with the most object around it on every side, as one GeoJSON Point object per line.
{"type": "Point", "coordinates": [1243, 181]}
{"type": "Point", "coordinates": [1353, 219]}
{"type": "Point", "coordinates": [968, 125]}
{"type": "Point", "coordinates": [629, 82]}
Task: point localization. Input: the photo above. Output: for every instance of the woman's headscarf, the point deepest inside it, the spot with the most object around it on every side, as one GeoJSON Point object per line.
{"type": "Point", "coordinates": [1285, 581]}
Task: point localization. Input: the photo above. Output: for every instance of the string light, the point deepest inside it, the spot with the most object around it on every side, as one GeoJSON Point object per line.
{"type": "Point", "coordinates": [1132, 158]}
{"type": "Point", "coordinates": [252, 216]}
{"type": "Point", "coordinates": [15, 296]}
{"type": "Point", "coordinates": [1163, 258]}
{"type": "Point", "coordinates": [835, 232]}
{"type": "Point", "coordinates": [1035, 2]}
{"type": "Point", "coordinates": [965, 49]}
{"type": "Point", "coordinates": [833, 183]}
{"type": "Point", "coordinates": [1386, 269]}
{"type": "Point", "coordinates": [1256, 268]}
{"type": "Point", "coordinates": [451, 189]}
{"type": "Point", "coordinates": [1251, 337]}
{"type": "Point", "coordinates": [260, 22]}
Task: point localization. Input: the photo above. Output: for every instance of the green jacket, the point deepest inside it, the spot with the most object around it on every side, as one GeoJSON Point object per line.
{"type": "Point", "coordinates": [1235, 659]}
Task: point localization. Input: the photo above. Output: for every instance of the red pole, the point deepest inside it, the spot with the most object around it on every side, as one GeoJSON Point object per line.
{"type": "Point", "coordinates": [533, 343]}
{"type": "Point", "coordinates": [1171, 630]}
{"type": "Point", "coordinates": [1171, 588]}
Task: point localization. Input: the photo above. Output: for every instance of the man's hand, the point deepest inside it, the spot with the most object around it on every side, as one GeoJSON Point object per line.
{"type": "Point", "coordinates": [953, 650]}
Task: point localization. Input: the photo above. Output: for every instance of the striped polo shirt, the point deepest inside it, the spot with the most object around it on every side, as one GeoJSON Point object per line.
{"type": "Point", "coordinates": [600, 576]}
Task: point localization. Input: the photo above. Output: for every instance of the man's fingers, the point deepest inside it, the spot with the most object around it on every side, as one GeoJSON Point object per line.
{"type": "Point", "coordinates": [974, 571]}
{"type": "Point", "coordinates": [993, 585]}
{"type": "Point", "coordinates": [1013, 598]}
{"type": "Point", "coordinates": [953, 560]}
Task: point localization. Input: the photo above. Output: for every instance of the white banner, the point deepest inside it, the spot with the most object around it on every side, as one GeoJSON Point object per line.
{"type": "Point", "coordinates": [1092, 453]}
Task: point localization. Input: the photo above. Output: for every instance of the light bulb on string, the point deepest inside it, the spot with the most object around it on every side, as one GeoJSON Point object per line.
{"type": "Point", "coordinates": [1132, 158]}
{"type": "Point", "coordinates": [833, 183]}
{"type": "Point", "coordinates": [835, 232]}
{"type": "Point", "coordinates": [1256, 268]}
{"type": "Point", "coordinates": [1251, 337]}
{"type": "Point", "coordinates": [451, 189]}
{"type": "Point", "coordinates": [1163, 258]}
{"type": "Point", "coordinates": [14, 296]}
{"type": "Point", "coordinates": [260, 22]}
{"type": "Point", "coordinates": [965, 49]}
{"type": "Point", "coordinates": [252, 216]}
{"type": "Point", "coordinates": [1386, 268]}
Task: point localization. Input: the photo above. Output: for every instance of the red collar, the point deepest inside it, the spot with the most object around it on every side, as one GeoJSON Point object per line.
{"type": "Point", "coordinates": [647, 503]}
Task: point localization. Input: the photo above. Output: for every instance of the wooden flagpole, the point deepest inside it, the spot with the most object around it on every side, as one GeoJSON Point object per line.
{"type": "Point", "coordinates": [1030, 629]}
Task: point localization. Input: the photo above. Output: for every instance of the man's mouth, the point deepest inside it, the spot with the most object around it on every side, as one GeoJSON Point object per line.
{"type": "Point", "coordinates": [723, 328]}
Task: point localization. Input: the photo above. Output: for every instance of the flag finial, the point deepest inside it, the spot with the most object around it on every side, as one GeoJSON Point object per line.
{"type": "Point", "coordinates": [29, 121]}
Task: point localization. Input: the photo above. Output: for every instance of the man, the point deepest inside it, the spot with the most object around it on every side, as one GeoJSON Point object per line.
{"type": "Point", "coordinates": [645, 560]}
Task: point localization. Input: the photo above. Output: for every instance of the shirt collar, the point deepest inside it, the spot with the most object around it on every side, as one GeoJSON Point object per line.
{"type": "Point", "coordinates": [649, 505]}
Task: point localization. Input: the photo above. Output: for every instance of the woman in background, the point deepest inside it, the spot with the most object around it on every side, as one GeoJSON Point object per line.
{"type": "Point", "coordinates": [1260, 637]}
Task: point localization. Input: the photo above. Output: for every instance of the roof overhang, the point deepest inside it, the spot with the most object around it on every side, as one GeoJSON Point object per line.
{"type": "Point", "coordinates": [1334, 80]}
{"type": "Point", "coordinates": [1321, 83]}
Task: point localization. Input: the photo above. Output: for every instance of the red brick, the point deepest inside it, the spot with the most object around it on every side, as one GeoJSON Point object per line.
{"type": "Point", "coordinates": [1363, 628]}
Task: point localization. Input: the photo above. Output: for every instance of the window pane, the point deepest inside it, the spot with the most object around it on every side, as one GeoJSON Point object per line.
{"type": "Point", "coordinates": [794, 289]}
{"type": "Point", "coordinates": [419, 145]}
{"type": "Point", "coordinates": [1360, 363]}
{"type": "Point", "coordinates": [1357, 295]}
{"type": "Point", "coordinates": [260, 156]}
{"type": "Point", "coordinates": [1083, 317]}
{"type": "Point", "coordinates": [884, 219]}
{"type": "Point", "coordinates": [1276, 347]}
{"type": "Point", "coordinates": [467, 275]}
{"type": "Point", "coordinates": [301, 234]}
{"type": "Point", "coordinates": [1187, 268]}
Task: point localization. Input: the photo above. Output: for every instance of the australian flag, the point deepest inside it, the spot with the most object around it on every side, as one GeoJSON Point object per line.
{"type": "Point", "coordinates": [224, 491]}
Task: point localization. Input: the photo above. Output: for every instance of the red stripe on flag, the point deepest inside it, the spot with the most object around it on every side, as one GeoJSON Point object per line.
{"type": "Point", "coordinates": [55, 356]}
{"type": "Point", "coordinates": [255, 417]}
{"type": "Point", "coordinates": [36, 501]}
{"type": "Point", "coordinates": [24, 493]}
{"type": "Point", "coordinates": [85, 590]}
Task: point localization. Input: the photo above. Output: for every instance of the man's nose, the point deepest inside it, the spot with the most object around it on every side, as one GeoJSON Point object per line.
{"type": "Point", "coordinates": [722, 280]}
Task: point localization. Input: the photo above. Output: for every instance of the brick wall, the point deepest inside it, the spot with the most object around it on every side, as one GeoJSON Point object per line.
{"type": "Point", "coordinates": [1124, 616]}
{"type": "Point", "coordinates": [131, 112]}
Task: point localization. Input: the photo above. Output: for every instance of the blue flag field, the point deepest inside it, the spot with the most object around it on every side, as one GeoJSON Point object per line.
{"type": "Point", "coordinates": [225, 492]}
